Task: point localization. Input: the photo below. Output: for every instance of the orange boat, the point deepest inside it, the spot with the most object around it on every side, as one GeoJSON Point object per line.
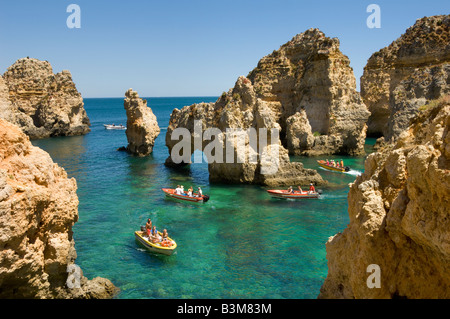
{"type": "Point", "coordinates": [281, 193]}
{"type": "Point", "coordinates": [170, 192]}
{"type": "Point", "coordinates": [323, 164]}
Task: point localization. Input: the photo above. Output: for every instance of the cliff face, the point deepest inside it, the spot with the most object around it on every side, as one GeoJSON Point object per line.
{"type": "Point", "coordinates": [311, 89]}
{"type": "Point", "coordinates": [411, 71]}
{"type": "Point", "coordinates": [239, 110]}
{"type": "Point", "coordinates": [399, 217]}
{"type": "Point", "coordinates": [44, 104]}
{"type": "Point", "coordinates": [38, 207]}
{"type": "Point", "coordinates": [6, 109]}
{"type": "Point", "coordinates": [142, 125]}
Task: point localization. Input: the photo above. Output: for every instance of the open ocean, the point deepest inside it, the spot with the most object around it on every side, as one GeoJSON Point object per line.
{"type": "Point", "coordinates": [240, 244]}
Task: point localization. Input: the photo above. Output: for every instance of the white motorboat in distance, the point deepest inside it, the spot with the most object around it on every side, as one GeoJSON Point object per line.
{"type": "Point", "coordinates": [114, 127]}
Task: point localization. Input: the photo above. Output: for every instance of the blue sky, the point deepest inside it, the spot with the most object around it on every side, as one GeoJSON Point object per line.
{"type": "Point", "coordinates": [189, 47]}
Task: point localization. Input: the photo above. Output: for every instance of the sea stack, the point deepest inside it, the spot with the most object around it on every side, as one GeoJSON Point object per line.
{"type": "Point", "coordinates": [230, 119]}
{"type": "Point", "coordinates": [44, 104]}
{"type": "Point", "coordinates": [142, 125]}
{"type": "Point", "coordinates": [311, 89]}
{"type": "Point", "coordinates": [407, 74]}
{"type": "Point", "coordinates": [38, 208]}
{"type": "Point", "coordinates": [397, 244]}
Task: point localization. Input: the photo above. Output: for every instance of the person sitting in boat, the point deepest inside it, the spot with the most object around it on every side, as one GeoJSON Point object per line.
{"type": "Point", "coordinates": [148, 227]}
{"type": "Point", "coordinates": [333, 163]}
{"type": "Point", "coordinates": [290, 190]}
{"type": "Point", "coordinates": [200, 193]}
{"type": "Point", "coordinates": [165, 241]}
{"type": "Point", "coordinates": [337, 164]}
{"type": "Point", "coordinates": [178, 190]}
{"type": "Point", "coordinates": [182, 190]}
{"type": "Point", "coordinates": [300, 190]}
{"type": "Point", "coordinates": [190, 191]}
{"type": "Point", "coordinates": [342, 163]}
{"type": "Point", "coordinates": [311, 188]}
{"type": "Point", "coordinates": [328, 163]}
{"type": "Point", "coordinates": [154, 236]}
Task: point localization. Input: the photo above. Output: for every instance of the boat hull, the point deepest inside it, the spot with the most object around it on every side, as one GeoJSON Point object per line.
{"type": "Point", "coordinates": [114, 127]}
{"type": "Point", "coordinates": [331, 168]}
{"type": "Point", "coordinates": [296, 195]}
{"type": "Point", "coordinates": [170, 193]}
{"type": "Point", "coordinates": [154, 248]}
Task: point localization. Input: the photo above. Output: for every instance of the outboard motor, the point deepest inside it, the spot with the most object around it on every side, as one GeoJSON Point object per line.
{"type": "Point", "coordinates": [347, 168]}
{"type": "Point", "coordinates": [319, 191]}
{"type": "Point", "coordinates": [205, 198]}
{"type": "Point", "coordinates": [143, 229]}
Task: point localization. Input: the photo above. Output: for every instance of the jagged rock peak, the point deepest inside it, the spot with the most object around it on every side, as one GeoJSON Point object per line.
{"type": "Point", "coordinates": [45, 104]}
{"type": "Point", "coordinates": [310, 73]}
{"type": "Point", "coordinates": [405, 75]}
{"type": "Point", "coordinates": [142, 125]}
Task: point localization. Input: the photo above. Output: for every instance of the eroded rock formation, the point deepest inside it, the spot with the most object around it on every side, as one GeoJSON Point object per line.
{"type": "Point", "coordinates": [142, 125]}
{"type": "Point", "coordinates": [38, 207]}
{"type": "Point", "coordinates": [311, 89]}
{"type": "Point", "coordinates": [402, 77]}
{"type": "Point", "coordinates": [399, 217]}
{"type": "Point", "coordinates": [240, 111]}
{"type": "Point", "coordinates": [44, 104]}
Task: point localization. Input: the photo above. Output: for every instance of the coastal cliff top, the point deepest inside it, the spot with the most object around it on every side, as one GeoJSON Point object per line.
{"type": "Point", "coordinates": [426, 42]}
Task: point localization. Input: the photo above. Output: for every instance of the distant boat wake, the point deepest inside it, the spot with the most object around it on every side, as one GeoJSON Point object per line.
{"type": "Point", "coordinates": [350, 172]}
{"type": "Point", "coordinates": [328, 196]}
{"type": "Point", "coordinates": [353, 172]}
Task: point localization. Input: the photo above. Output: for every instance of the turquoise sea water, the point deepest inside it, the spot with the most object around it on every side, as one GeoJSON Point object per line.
{"type": "Point", "coordinates": [241, 244]}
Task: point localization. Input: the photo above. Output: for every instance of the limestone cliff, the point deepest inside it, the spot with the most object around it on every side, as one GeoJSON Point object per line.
{"type": "Point", "coordinates": [6, 110]}
{"type": "Point", "coordinates": [311, 89]}
{"type": "Point", "coordinates": [405, 75]}
{"type": "Point", "coordinates": [233, 115]}
{"type": "Point", "coordinates": [142, 125]}
{"type": "Point", "coordinates": [44, 104]}
{"type": "Point", "coordinates": [38, 207]}
{"type": "Point", "coordinates": [399, 217]}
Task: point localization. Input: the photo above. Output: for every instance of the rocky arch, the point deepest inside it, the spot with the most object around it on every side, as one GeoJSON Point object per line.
{"type": "Point", "coordinates": [236, 113]}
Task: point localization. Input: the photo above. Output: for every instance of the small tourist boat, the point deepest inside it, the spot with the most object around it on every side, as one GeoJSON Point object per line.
{"type": "Point", "coordinates": [170, 192]}
{"type": "Point", "coordinates": [166, 247]}
{"type": "Point", "coordinates": [281, 193]}
{"type": "Point", "coordinates": [114, 127]}
{"type": "Point", "coordinates": [323, 164]}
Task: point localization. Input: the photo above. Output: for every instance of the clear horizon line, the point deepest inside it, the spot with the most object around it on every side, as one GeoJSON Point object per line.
{"type": "Point", "coordinates": [147, 97]}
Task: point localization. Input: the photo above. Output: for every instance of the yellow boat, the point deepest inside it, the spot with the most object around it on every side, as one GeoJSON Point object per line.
{"type": "Point", "coordinates": [165, 248]}
{"type": "Point", "coordinates": [323, 164]}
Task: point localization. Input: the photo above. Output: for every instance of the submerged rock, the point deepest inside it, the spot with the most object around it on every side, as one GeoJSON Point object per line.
{"type": "Point", "coordinates": [43, 104]}
{"type": "Point", "coordinates": [399, 218]}
{"type": "Point", "coordinates": [405, 75]}
{"type": "Point", "coordinates": [142, 125]}
{"type": "Point", "coordinates": [38, 208]}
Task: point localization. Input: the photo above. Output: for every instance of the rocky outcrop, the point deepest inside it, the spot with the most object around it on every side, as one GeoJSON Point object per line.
{"type": "Point", "coordinates": [44, 104]}
{"type": "Point", "coordinates": [311, 89]}
{"type": "Point", "coordinates": [225, 134]}
{"type": "Point", "coordinates": [399, 218]}
{"type": "Point", "coordinates": [6, 108]}
{"type": "Point", "coordinates": [402, 77]}
{"type": "Point", "coordinates": [38, 207]}
{"type": "Point", "coordinates": [142, 125]}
